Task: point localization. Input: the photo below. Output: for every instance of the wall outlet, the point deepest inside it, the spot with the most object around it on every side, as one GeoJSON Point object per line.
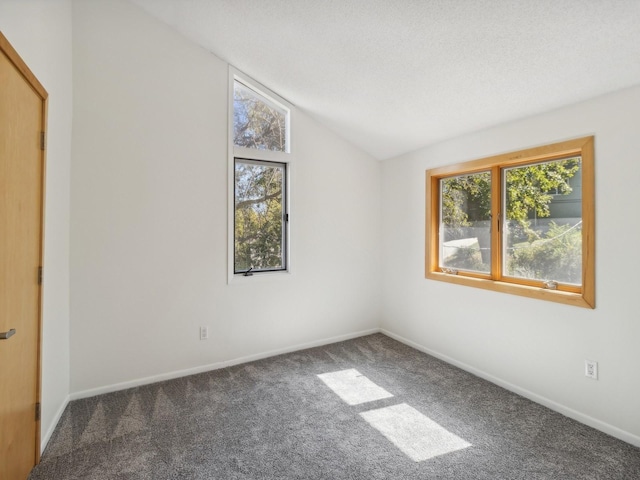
{"type": "Point", "coordinates": [591, 369]}
{"type": "Point", "coordinates": [204, 333]}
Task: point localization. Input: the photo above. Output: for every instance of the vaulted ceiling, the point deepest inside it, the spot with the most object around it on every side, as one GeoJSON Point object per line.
{"type": "Point", "coordinates": [392, 76]}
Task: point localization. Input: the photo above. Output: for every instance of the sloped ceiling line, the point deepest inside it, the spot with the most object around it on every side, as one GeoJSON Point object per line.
{"type": "Point", "coordinates": [394, 76]}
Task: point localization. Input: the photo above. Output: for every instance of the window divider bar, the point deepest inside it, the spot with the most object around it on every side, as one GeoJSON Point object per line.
{"type": "Point", "coordinates": [496, 233]}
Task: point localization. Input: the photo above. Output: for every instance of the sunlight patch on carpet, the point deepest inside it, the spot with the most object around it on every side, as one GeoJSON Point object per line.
{"type": "Point", "coordinates": [353, 387]}
{"type": "Point", "coordinates": [415, 434]}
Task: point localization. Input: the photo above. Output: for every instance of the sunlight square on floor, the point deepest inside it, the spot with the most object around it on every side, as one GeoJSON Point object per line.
{"type": "Point", "coordinates": [353, 387]}
{"type": "Point", "coordinates": [415, 434]}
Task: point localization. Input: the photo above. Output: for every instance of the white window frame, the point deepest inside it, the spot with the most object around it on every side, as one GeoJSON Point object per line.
{"type": "Point", "coordinates": [234, 152]}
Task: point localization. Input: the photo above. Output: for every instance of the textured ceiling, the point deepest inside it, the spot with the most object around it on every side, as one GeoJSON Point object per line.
{"type": "Point", "coordinates": [392, 76]}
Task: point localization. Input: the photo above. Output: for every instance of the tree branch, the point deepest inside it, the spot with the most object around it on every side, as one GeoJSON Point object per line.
{"type": "Point", "coordinates": [253, 201]}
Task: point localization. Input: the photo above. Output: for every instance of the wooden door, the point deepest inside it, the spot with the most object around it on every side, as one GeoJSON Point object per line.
{"type": "Point", "coordinates": [22, 120]}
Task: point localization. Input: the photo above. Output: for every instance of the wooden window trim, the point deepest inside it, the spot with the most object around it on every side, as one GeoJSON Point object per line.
{"type": "Point", "coordinates": [583, 296]}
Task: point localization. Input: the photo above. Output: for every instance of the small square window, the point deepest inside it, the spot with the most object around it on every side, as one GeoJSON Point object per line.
{"type": "Point", "coordinates": [257, 122]}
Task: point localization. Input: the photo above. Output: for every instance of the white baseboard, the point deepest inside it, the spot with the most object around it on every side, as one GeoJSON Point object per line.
{"type": "Point", "coordinates": [44, 439]}
{"type": "Point", "coordinates": [564, 410]}
{"type": "Point", "coordinates": [215, 366]}
{"type": "Point", "coordinates": [92, 392]}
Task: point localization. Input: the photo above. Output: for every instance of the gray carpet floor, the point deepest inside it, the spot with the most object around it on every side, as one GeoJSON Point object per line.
{"type": "Point", "coordinates": [277, 419]}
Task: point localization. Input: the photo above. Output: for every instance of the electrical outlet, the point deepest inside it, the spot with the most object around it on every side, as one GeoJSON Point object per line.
{"type": "Point", "coordinates": [591, 369]}
{"type": "Point", "coordinates": [204, 333]}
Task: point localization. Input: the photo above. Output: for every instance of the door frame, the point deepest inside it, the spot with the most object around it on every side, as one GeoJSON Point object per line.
{"type": "Point", "coordinates": [30, 78]}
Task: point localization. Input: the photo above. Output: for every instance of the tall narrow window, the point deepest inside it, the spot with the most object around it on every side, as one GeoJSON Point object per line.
{"type": "Point", "coordinates": [465, 222]}
{"type": "Point", "coordinates": [520, 223]}
{"type": "Point", "coordinates": [259, 162]}
{"type": "Point", "coordinates": [260, 218]}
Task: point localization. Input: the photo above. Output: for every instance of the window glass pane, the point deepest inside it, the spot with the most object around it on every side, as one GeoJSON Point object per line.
{"type": "Point", "coordinates": [543, 219]}
{"type": "Point", "coordinates": [257, 122]}
{"type": "Point", "coordinates": [465, 222]}
{"type": "Point", "coordinates": [259, 230]}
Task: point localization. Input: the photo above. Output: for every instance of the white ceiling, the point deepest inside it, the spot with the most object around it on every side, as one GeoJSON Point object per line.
{"type": "Point", "coordinates": [392, 76]}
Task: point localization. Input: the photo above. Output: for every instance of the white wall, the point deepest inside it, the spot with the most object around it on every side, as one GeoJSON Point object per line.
{"type": "Point", "coordinates": [40, 30]}
{"type": "Point", "coordinates": [537, 348]}
{"type": "Point", "coordinates": [149, 215]}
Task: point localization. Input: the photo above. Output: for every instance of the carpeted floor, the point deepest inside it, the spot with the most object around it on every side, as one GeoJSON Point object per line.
{"type": "Point", "coordinates": [401, 415]}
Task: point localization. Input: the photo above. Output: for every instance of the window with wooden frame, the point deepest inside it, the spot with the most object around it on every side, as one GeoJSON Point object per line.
{"type": "Point", "coordinates": [519, 223]}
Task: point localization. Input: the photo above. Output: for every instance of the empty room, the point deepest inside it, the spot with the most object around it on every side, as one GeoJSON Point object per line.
{"type": "Point", "coordinates": [295, 239]}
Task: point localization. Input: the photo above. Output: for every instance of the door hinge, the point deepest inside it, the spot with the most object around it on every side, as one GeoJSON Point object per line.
{"type": "Point", "coordinates": [39, 275]}
{"type": "Point", "coordinates": [38, 412]}
{"type": "Point", "coordinates": [43, 141]}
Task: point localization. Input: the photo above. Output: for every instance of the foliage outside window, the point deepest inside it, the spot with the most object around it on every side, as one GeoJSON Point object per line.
{"type": "Point", "coordinates": [520, 223]}
{"type": "Point", "coordinates": [260, 144]}
{"type": "Point", "coordinates": [259, 216]}
{"type": "Point", "coordinates": [257, 122]}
